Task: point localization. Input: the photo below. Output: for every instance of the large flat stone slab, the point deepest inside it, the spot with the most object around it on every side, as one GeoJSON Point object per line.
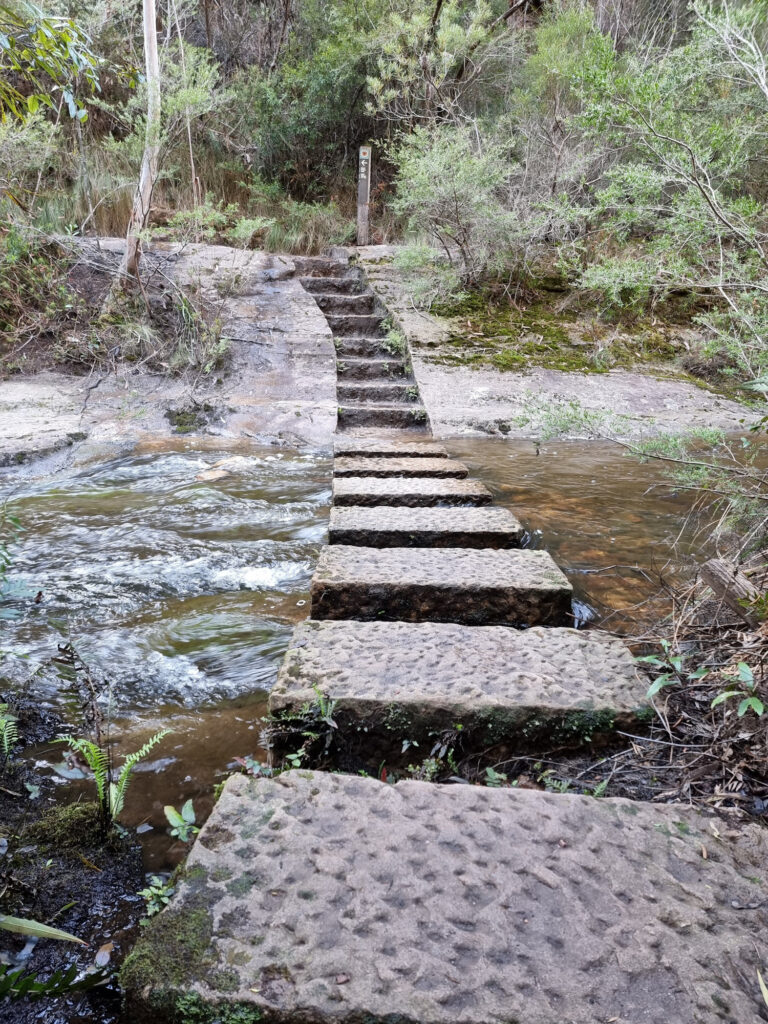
{"type": "Point", "coordinates": [413, 492]}
{"type": "Point", "coordinates": [519, 688]}
{"type": "Point", "coordinates": [401, 416]}
{"type": "Point", "coordinates": [376, 448]}
{"type": "Point", "coordinates": [478, 587]}
{"type": "Point", "coordinates": [385, 526]}
{"type": "Point", "coordinates": [335, 899]}
{"type": "Point", "coordinates": [348, 465]}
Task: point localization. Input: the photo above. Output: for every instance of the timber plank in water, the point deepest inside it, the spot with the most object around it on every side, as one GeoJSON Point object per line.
{"type": "Point", "coordinates": [416, 491]}
{"type": "Point", "coordinates": [521, 688]}
{"type": "Point", "coordinates": [376, 448]}
{"type": "Point", "coordinates": [385, 526]}
{"type": "Point", "coordinates": [386, 466]}
{"type": "Point", "coordinates": [332, 899]}
{"type": "Point", "coordinates": [478, 587]}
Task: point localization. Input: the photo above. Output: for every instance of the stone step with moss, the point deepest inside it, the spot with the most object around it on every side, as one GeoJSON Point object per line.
{"type": "Point", "coordinates": [375, 447]}
{"type": "Point", "coordinates": [470, 585]}
{"type": "Point", "coordinates": [387, 526]}
{"type": "Point", "coordinates": [350, 368]}
{"type": "Point", "coordinates": [395, 686]}
{"type": "Point", "coordinates": [337, 899]}
{"type": "Point", "coordinates": [335, 303]}
{"type": "Point", "coordinates": [352, 285]}
{"type": "Point", "coordinates": [347, 465]}
{"type": "Point", "coordinates": [365, 346]}
{"type": "Point", "coordinates": [356, 324]}
{"type": "Point", "coordinates": [416, 491]}
{"type": "Point", "coordinates": [405, 416]}
{"type": "Point", "coordinates": [381, 390]}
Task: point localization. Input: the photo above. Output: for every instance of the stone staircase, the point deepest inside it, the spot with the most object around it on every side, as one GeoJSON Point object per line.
{"type": "Point", "coordinates": [332, 898]}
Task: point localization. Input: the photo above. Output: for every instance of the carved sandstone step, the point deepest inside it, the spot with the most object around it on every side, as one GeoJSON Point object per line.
{"type": "Point", "coordinates": [331, 898]}
{"type": "Point", "coordinates": [371, 466]}
{"type": "Point", "coordinates": [408, 416]}
{"type": "Point", "coordinates": [520, 688]}
{"type": "Point", "coordinates": [413, 492]}
{"type": "Point", "coordinates": [377, 391]}
{"type": "Point", "coordinates": [351, 324]}
{"type": "Point", "coordinates": [323, 266]}
{"type": "Point", "coordinates": [477, 587]}
{"type": "Point", "coordinates": [354, 368]}
{"type": "Point", "coordinates": [352, 285]}
{"type": "Point", "coordinates": [377, 448]}
{"type": "Point", "coordinates": [342, 304]}
{"type": "Point", "coordinates": [384, 526]}
{"type": "Point", "coordinates": [364, 346]}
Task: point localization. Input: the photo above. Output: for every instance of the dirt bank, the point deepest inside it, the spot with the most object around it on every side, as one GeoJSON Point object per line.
{"type": "Point", "coordinates": [278, 385]}
{"type": "Point", "coordinates": [473, 385]}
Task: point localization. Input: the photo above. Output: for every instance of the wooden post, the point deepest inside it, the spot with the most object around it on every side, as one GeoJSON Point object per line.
{"type": "Point", "coordinates": [363, 194]}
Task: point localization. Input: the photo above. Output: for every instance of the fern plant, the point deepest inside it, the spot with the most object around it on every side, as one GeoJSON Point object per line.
{"type": "Point", "coordinates": [9, 732]}
{"type": "Point", "coordinates": [110, 791]}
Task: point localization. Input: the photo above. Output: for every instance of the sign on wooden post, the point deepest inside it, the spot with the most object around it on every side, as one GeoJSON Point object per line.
{"type": "Point", "coordinates": [363, 194]}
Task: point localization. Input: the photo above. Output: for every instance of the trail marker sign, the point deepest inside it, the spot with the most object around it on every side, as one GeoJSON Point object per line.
{"type": "Point", "coordinates": [363, 194]}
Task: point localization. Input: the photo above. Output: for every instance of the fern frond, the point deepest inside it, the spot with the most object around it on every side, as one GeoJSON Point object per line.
{"type": "Point", "coordinates": [117, 790]}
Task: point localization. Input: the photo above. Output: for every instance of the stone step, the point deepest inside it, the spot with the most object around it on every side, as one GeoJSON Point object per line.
{"type": "Point", "coordinates": [331, 898]}
{"type": "Point", "coordinates": [523, 689]}
{"type": "Point", "coordinates": [357, 325]}
{"type": "Point", "coordinates": [352, 368]}
{"type": "Point", "coordinates": [365, 490]}
{"type": "Point", "coordinates": [377, 392]}
{"type": "Point", "coordinates": [352, 285]}
{"type": "Point", "coordinates": [323, 266]}
{"type": "Point", "coordinates": [396, 449]}
{"type": "Point", "coordinates": [341, 304]}
{"type": "Point", "coordinates": [365, 346]}
{"type": "Point", "coordinates": [387, 466]}
{"type": "Point", "coordinates": [383, 526]}
{"type": "Point", "coordinates": [406, 416]}
{"type": "Point", "coordinates": [470, 585]}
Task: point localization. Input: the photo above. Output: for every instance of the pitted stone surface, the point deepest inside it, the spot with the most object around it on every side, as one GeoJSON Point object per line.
{"type": "Point", "coordinates": [475, 586]}
{"type": "Point", "coordinates": [527, 683]}
{"type": "Point", "coordinates": [335, 899]}
{"type": "Point", "coordinates": [391, 526]}
{"type": "Point", "coordinates": [376, 448]}
{"type": "Point", "coordinates": [387, 466]}
{"type": "Point", "coordinates": [392, 415]}
{"type": "Point", "coordinates": [356, 490]}
{"type": "Point", "coordinates": [354, 369]}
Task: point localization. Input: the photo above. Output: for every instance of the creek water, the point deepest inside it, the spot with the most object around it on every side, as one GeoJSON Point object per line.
{"type": "Point", "coordinates": [182, 592]}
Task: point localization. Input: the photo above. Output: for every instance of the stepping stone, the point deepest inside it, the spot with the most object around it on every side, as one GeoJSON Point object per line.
{"type": "Point", "coordinates": [407, 416]}
{"type": "Point", "coordinates": [386, 391]}
{"type": "Point", "coordinates": [366, 490]}
{"type": "Point", "coordinates": [353, 285]}
{"type": "Point", "coordinates": [375, 447]}
{"type": "Point", "coordinates": [330, 898]}
{"type": "Point", "coordinates": [384, 526]}
{"type": "Point", "coordinates": [478, 587]}
{"type": "Point", "coordinates": [522, 688]}
{"type": "Point", "coordinates": [387, 466]}
{"type": "Point", "coordinates": [370, 369]}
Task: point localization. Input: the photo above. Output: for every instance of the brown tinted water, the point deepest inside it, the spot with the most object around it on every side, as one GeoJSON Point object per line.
{"type": "Point", "coordinates": [183, 592]}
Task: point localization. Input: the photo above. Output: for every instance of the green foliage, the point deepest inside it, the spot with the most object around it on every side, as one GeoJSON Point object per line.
{"type": "Point", "coordinates": [670, 666]}
{"type": "Point", "coordinates": [110, 790]}
{"type": "Point", "coordinates": [16, 983]}
{"type": "Point", "coordinates": [182, 822]}
{"type": "Point", "coordinates": [9, 732]}
{"type": "Point", "coordinates": [42, 57]}
{"type": "Point", "coordinates": [36, 929]}
{"type": "Point", "coordinates": [157, 895]}
{"type": "Point", "coordinates": [745, 689]}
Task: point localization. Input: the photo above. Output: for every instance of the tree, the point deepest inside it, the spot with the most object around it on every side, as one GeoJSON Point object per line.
{"type": "Point", "coordinates": [142, 200]}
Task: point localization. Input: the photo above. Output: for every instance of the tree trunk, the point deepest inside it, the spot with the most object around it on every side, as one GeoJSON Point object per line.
{"type": "Point", "coordinates": [142, 200]}
{"type": "Point", "coordinates": [732, 588]}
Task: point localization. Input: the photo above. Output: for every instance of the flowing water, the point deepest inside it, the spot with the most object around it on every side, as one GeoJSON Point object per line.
{"type": "Point", "coordinates": [182, 591]}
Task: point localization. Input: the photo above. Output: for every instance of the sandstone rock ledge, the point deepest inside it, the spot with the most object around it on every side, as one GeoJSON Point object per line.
{"type": "Point", "coordinates": [321, 898]}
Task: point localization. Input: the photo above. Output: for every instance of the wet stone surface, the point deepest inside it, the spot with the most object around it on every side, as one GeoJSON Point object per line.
{"type": "Point", "coordinates": [377, 448]}
{"type": "Point", "coordinates": [517, 687]}
{"type": "Point", "coordinates": [388, 466]}
{"type": "Point", "coordinates": [330, 898]}
{"type": "Point", "coordinates": [412, 492]}
{"type": "Point", "coordinates": [382, 526]}
{"type": "Point", "coordinates": [478, 587]}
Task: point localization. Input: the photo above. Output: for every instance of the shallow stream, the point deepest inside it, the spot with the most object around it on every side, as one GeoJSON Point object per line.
{"type": "Point", "coordinates": [182, 591]}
